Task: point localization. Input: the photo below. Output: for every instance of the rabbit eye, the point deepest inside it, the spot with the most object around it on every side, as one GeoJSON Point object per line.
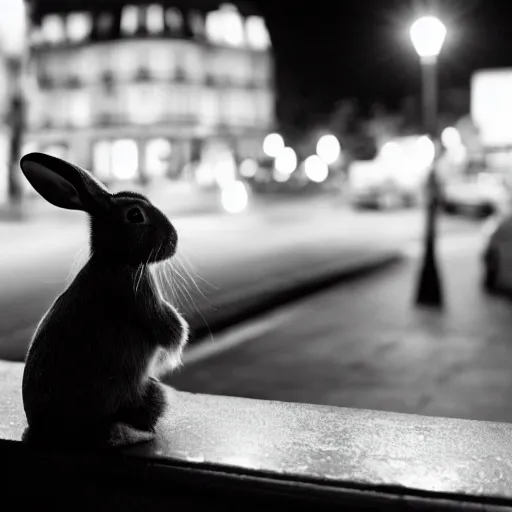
{"type": "Point", "coordinates": [135, 216]}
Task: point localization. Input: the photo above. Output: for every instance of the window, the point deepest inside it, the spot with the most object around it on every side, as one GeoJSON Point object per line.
{"type": "Point", "coordinates": [144, 103]}
{"type": "Point", "coordinates": [79, 109]}
{"type": "Point", "coordinates": [118, 159]}
{"type": "Point", "coordinates": [101, 160]}
{"type": "Point", "coordinates": [174, 20]}
{"type": "Point", "coordinates": [125, 61]}
{"type": "Point", "coordinates": [192, 61]}
{"type": "Point", "coordinates": [105, 24]}
{"type": "Point", "coordinates": [125, 159]}
{"type": "Point", "coordinates": [79, 26]}
{"type": "Point", "coordinates": [155, 22]}
{"type": "Point", "coordinates": [257, 33]}
{"type": "Point", "coordinates": [53, 29]}
{"type": "Point", "coordinates": [214, 30]}
{"type": "Point", "coordinates": [130, 20]}
{"type": "Point", "coordinates": [197, 23]}
{"type": "Point", "coordinates": [232, 26]}
{"type": "Point", "coordinates": [157, 160]}
{"type": "Point", "coordinates": [225, 26]}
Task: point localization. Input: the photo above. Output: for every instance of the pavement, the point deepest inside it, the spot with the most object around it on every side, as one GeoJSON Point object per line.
{"type": "Point", "coordinates": [366, 345]}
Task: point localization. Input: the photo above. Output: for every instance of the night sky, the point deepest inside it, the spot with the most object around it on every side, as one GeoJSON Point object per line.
{"type": "Point", "coordinates": [328, 50]}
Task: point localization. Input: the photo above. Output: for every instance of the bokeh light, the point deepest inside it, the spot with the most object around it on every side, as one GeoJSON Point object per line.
{"type": "Point", "coordinates": [286, 161]}
{"type": "Point", "coordinates": [328, 149]}
{"type": "Point", "coordinates": [316, 169]}
{"type": "Point", "coordinates": [235, 197]}
{"type": "Point", "coordinates": [273, 145]}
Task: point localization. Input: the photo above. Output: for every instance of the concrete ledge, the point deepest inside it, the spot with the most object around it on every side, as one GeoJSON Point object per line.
{"type": "Point", "coordinates": [282, 451]}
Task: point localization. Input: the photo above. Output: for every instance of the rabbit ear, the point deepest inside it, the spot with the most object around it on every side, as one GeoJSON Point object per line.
{"type": "Point", "coordinates": [63, 184]}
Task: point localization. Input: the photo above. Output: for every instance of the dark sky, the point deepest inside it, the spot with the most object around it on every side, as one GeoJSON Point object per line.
{"type": "Point", "coordinates": [330, 49]}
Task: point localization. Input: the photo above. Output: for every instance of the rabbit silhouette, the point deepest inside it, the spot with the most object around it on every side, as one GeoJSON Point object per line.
{"type": "Point", "coordinates": [92, 368]}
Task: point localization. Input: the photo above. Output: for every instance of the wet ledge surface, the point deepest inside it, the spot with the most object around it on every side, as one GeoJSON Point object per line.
{"type": "Point", "coordinates": [324, 446]}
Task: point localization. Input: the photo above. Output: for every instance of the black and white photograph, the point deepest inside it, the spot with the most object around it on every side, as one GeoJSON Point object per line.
{"type": "Point", "coordinates": [255, 253]}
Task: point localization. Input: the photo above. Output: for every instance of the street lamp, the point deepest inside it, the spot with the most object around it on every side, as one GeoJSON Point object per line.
{"type": "Point", "coordinates": [428, 34]}
{"type": "Point", "coordinates": [13, 40]}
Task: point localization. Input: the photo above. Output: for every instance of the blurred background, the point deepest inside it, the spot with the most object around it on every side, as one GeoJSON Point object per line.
{"type": "Point", "coordinates": [339, 174]}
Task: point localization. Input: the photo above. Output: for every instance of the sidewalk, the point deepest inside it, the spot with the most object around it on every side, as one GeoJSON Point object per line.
{"type": "Point", "coordinates": [365, 345]}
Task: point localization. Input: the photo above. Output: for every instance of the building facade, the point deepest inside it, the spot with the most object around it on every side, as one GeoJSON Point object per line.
{"type": "Point", "coordinates": [146, 92]}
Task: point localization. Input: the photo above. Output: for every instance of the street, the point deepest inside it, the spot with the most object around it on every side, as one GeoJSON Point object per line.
{"type": "Point", "coordinates": [223, 260]}
{"type": "Point", "coordinates": [364, 345]}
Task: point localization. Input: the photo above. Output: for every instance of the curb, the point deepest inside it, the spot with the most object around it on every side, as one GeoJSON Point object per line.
{"type": "Point", "coordinates": [257, 303]}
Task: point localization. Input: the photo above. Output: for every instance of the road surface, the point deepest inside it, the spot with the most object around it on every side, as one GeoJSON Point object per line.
{"type": "Point", "coordinates": [365, 345]}
{"type": "Point", "coordinates": [221, 261]}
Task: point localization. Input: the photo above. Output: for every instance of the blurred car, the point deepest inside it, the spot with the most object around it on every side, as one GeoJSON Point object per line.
{"type": "Point", "coordinates": [371, 185]}
{"type": "Point", "coordinates": [395, 178]}
{"type": "Point", "coordinates": [481, 194]}
{"type": "Point", "coordinates": [497, 254]}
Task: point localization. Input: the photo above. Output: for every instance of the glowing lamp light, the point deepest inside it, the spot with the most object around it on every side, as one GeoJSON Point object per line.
{"type": "Point", "coordinates": [273, 145]}
{"type": "Point", "coordinates": [235, 197]}
{"type": "Point", "coordinates": [328, 149]}
{"type": "Point", "coordinates": [286, 161]}
{"type": "Point", "coordinates": [451, 137]}
{"type": "Point", "coordinates": [13, 27]}
{"type": "Point", "coordinates": [316, 169]}
{"type": "Point", "coordinates": [428, 35]}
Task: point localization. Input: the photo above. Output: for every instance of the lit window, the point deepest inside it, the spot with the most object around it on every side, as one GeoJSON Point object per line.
{"type": "Point", "coordinates": [79, 26]}
{"type": "Point", "coordinates": [232, 25]}
{"type": "Point", "coordinates": [155, 19]}
{"type": "Point", "coordinates": [125, 159]}
{"type": "Point", "coordinates": [214, 29]}
{"type": "Point", "coordinates": [257, 33]}
{"type": "Point", "coordinates": [101, 160]}
{"type": "Point", "coordinates": [225, 26]}
{"type": "Point", "coordinates": [174, 19]}
{"type": "Point", "coordinates": [130, 20]}
{"type": "Point", "coordinates": [158, 154]}
{"type": "Point", "coordinates": [53, 29]}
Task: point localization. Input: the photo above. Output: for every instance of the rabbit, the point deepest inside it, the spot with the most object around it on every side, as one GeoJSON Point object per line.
{"type": "Point", "coordinates": [92, 369]}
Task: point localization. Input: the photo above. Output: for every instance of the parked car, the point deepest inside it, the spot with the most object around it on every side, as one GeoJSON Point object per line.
{"type": "Point", "coordinates": [497, 255]}
{"type": "Point", "coordinates": [372, 185]}
{"type": "Point", "coordinates": [479, 195]}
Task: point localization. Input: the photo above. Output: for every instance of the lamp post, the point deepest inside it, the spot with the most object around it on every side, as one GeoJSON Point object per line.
{"type": "Point", "coordinates": [13, 32]}
{"type": "Point", "coordinates": [428, 34]}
